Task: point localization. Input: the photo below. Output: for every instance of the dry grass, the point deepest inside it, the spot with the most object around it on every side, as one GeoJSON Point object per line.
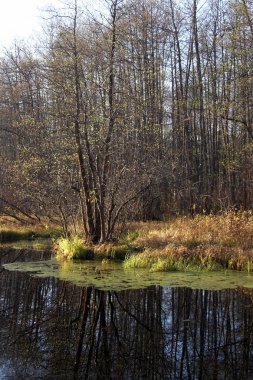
{"type": "Point", "coordinates": [206, 242]}
{"type": "Point", "coordinates": [10, 232]}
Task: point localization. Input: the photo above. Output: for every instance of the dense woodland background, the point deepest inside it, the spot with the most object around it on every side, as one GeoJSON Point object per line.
{"type": "Point", "coordinates": [139, 112]}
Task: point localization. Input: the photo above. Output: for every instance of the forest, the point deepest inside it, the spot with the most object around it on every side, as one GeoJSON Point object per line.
{"type": "Point", "coordinates": [137, 112]}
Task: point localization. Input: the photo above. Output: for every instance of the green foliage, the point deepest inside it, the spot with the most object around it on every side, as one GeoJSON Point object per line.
{"type": "Point", "coordinates": [73, 248]}
{"type": "Point", "coordinates": [162, 261]}
{"type": "Point", "coordinates": [155, 263]}
{"type": "Point", "coordinates": [118, 252]}
{"type": "Point", "coordinates": [129, 236]}
{"type": "Point", "coordinates": [164, 265]}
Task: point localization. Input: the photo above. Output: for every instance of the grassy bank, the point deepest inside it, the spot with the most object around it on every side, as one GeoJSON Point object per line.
{"type": "Point", "coordinates": [12, 233]}
{"type": "Point", "coordinates": [75, 248]}
{"type": "Point", "coordinates": [203, 242]}
{"type": "Point", "coordinates": [200, 243]}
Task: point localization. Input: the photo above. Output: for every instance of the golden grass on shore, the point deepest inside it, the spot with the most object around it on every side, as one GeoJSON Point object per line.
{"type": "Point", "coordinates": [208, 242]}
{"type": "Point", "coordinates": [10, 232]}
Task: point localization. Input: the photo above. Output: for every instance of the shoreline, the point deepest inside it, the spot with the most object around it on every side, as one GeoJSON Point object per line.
{"type": "Point", "coordinates": [205, 242]}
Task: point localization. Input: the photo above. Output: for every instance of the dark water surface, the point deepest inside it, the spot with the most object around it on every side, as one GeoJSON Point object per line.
{"type": "Point", "coordinates": [51, 328]}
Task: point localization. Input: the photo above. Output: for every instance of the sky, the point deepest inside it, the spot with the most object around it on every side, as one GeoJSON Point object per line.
{"type": "Point", "coordinates": [21, 19]}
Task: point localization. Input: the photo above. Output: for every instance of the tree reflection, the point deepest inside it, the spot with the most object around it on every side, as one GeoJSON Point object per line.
{"type": "Point", "coordinates": [53, 329]}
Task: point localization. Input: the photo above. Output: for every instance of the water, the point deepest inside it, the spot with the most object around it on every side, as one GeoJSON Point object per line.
{"type": "Point", "coordinates": [53, 328]}
{"type": "Point", "coordinates": [37, 244]}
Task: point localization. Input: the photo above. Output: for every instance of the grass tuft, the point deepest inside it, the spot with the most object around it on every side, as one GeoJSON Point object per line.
{"type": "Point", "coordinates": [118, 252]}
{"type": "Point", "coordinates": [73, 248]}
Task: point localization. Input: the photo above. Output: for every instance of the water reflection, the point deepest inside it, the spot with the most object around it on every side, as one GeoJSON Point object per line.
{"type": "Point", "coordinates": [52, 329]}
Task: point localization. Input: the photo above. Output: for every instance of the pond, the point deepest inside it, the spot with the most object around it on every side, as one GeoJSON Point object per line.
{"type": "Point", "coordinates": [99, 321]}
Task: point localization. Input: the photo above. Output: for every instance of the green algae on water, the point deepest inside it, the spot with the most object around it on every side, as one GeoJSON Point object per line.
{"type": "Point", "coordinates": [113, 276]}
